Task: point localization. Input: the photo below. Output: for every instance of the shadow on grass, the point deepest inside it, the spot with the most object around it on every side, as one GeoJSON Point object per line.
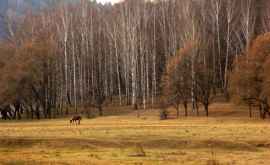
{"type": "Point", "coordinates": [21, 162]}
{"type": "Point", "coordinates": [69, 143]}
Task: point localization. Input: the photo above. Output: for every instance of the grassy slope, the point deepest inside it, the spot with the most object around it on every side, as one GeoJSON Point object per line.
{"type": "Point", "coordinates": [112, 140]}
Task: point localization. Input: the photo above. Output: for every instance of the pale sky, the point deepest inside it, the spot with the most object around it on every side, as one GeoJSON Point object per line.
{"type": "Point", "coordinates": [112, 1]}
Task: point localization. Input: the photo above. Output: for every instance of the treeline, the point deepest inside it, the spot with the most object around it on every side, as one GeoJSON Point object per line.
{"type": "Point", "coordinates": [81, 55]}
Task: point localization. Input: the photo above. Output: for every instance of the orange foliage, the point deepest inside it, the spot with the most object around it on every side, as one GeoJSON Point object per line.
{"type": "Point", "coordinates": [22, 66]}
{"type": "Point", "coordinates": [176, 79]}
{"type": "Point", "coordinates": [251, 76]}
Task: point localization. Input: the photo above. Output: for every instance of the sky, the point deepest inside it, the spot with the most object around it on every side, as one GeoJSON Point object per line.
{"type": "Point", "coordinates": [105, 1]}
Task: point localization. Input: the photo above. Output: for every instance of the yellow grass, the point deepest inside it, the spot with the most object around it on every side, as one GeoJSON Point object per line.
{"type": "Point", "coordinates": [120, 139]}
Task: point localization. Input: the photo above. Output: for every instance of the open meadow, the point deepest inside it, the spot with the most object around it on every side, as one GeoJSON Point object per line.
{"type": "Point", "coordinates": [225, 138]}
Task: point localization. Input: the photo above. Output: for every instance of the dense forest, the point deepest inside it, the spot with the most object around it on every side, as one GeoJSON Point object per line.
{"type": "Point", "coordinates": [140, 53]}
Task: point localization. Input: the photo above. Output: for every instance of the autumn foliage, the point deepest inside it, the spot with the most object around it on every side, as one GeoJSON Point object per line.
{"type": "Point", "coordinates": [251, 75]}
{"type": "Point", "coordinates": [24, 75]}
{"type": "Point", "coordinates": [176, 81]}
{"type": "Point", "coordinates": [188, 79]}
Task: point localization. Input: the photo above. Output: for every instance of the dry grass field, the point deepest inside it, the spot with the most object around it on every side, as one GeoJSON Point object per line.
{"type": "Point", "coordinates": [225, 138]}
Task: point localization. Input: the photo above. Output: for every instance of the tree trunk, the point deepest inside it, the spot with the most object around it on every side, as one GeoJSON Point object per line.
{"type": "Point", "coordinates": [100, 110]}
{"type": "Point", "coordinates": [37, 112]}
{"type": "Point", "coordinates": [89, 113]}
{"type": "Point", "coordinates": [197, 108]}
{"type": "Point", "coordinates": [261, 111]}
{"type": "Point", "coordinates": [250, 111]}
{"type": "Point", "coordinates": [74, 74]}
{"type": "Point", "coordinates": [27, 112]}
{"type": "Point", "coordinates": [177, 112]}
{"type": "Point", "coordinates": [197, 111]}
{"type": "Point", "coordinates": [206, 106]}
{"type": "Point", "coordinates": [186, 109]}
{"type": "Point", "coordinates": [32, 111]}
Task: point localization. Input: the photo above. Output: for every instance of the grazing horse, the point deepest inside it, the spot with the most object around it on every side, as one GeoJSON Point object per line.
{"type": "Point", "coordinates": [76, 120]}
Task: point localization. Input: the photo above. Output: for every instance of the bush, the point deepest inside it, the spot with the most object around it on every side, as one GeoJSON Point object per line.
{"type": "Point", "coordinates": [163, 114]}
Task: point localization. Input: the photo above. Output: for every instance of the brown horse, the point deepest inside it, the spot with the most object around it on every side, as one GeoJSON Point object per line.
{"type": "Point", "coordinates": [76, 119]}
